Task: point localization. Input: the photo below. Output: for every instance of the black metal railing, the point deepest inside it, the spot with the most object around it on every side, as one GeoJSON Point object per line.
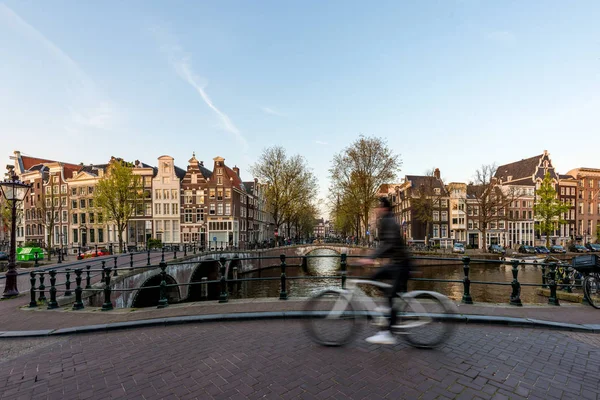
{"type": "Point", "coordinates": [548, 278]}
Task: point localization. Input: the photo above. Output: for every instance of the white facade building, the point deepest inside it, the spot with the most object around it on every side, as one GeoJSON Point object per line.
{"type": "Point", "coordinates": [166, 200]}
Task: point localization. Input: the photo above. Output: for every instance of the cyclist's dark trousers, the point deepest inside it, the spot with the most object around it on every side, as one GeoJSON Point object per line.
{"type": "Point", "coordinates": [400, 277]}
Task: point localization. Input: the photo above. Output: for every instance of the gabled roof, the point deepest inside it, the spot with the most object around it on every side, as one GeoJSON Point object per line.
{"type": "Point", "coordinates": [418, 180]}
{"type": "Point", "coordinates": [526, 171]}
{"type": "Point", "coordinates": [92, 169]}
{"type": "Point", "coordinates": [566, 177]}
{"type": "Point", "coordinates": [235, 178]}
{"type": "Point", "coordinates": [207, 173]}
{"type": "Point", "coordinates": [180, 172]}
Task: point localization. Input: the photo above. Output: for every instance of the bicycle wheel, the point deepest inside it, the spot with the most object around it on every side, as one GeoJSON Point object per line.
{"type": "Point", "coordinates": [591, 286]}
{"type": "Point", "coordinates": [426, 319]}
{"type": "Point", "coordinates": [333, 320]}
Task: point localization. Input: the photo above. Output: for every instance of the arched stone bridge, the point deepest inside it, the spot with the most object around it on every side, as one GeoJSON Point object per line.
{"type": "Point", "coordinates": [126, 287]}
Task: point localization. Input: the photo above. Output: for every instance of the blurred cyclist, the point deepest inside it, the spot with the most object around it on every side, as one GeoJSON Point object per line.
{"type": "Point", "coordinates": [391, 246]}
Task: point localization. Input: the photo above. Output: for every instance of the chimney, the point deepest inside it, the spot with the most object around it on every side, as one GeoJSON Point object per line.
{"type": "Point", "coordinates": [236, 170]}
{"type": "Point", "coordinates": [436, 173]}
{"type": "Point", "coordinates": [202, 163]}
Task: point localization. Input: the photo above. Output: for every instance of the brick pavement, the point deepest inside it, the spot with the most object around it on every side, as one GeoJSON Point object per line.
{"type": "Point", "coordinates": [276, 360]}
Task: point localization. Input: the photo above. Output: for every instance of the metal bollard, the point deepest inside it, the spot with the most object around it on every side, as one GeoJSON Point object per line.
{"type": "Point", "coordinates": [42, 297]}
{"type": "Point", "coordinates": [174, 253]}
{"type": "Point", "coordinates": [223, 297]}
{"type": "Point", "coordinates": [204, 289]}
{"type": "Point", "coordinates": [115, 273]}
{"type": "Point", "coordinates": [343, 268]}
{"type": "Point", "coordinates": [148, 263]}
{"type": "Point", "coordinates": [553, 299]}
{"type": "Point", "coordinates": [59, 258]}
{"type": "Point", "coordinates": [515, 297]}
{"type": "Point", "coordinates": [162, 302]}
{"type": "Point", "coordinates": [130, 261]}
{"type": "Point", "coordinates": [466, 299]}
{"type": "Point", "coordinates": [68, 282]}
{"type": "Point", "coordinates": [107, 303]}
{"type": "Point", "coordinates": [37, 256]}
{"type": "Point", "coordinates": [185, 250]}
{"type": "Point", "coordinates": [283, 292]}
{"type": "Point", "coordinates": [78, 305]}
{"type": "Point", "coordinates": [52, 303]}
{"type": "Point", "coordinates": [162, 256]}
{"type": "Point", "coordinates": [32, 303]}
{"type": "Point", "coordinates": [88, 277]}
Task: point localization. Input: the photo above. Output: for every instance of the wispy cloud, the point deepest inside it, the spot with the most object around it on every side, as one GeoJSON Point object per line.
{"type": "Point", "coordinates": [320, 142]}
{"type": "Point", "coordinates": [271, 111]}
{"type": "Point", "coordinates": [180, 60]}
{"type": "Point", "coordinates": [502, 37]}
{"type": "Point", "coordinates": [88, 109]}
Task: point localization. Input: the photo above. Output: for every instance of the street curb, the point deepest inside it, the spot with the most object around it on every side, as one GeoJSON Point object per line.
{"type": "Point", "coordinates": [282, 315]}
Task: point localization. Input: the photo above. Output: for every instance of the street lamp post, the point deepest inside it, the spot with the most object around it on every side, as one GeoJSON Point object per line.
{"type": "Point", "coordinates": [13, 190]}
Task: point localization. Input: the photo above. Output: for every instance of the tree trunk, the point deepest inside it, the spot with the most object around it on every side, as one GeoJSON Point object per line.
{"type": "Point", "coordinates": [49, 244]}
{"type": "Point", "coordinates": [120, 234]}
{"type": "Point", "coordinates": [484, 237]}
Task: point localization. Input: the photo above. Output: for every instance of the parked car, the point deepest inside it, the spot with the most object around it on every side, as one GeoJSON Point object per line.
{"type": "Point", "coordinates": [458, 248]}
{"type": "Point", "coordinates": [3, 256]}
{"type": "Point", "coordinates": [102, 251]}
{"type": "Point", "coordinates": [577, 248]}
{"type": "Point", "coordinates": [593, 247]}
{"type": "Point", "coordinates": [541, 250]}
{"type": "Point", "coordinates": [526, 249]}
{"type": "Point", "coordinates": [557, 249]}
{"type": "Point", "coordinates": [496, 248]}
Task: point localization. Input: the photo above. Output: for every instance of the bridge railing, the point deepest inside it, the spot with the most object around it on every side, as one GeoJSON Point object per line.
{"type": "Point", "coordinates": [553, 276]}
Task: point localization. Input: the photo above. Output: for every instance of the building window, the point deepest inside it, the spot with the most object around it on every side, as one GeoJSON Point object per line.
{"type": "Point", "coordinates": [75, 219]}
{"type": "Point", "coordinates": [436, 231]}
{"type": "Point", "coordinates": [174, 208]}
{"type": "Point", "coordinates": [212, 209]}
{"type": "Point", "coordinates": [74, 192]}
{"type": "Point", "coordinates": [157, 209]}
{"type": "Point", "coordinates": [220, 209]}
{"type": "Point", "coordinates": [436, 215]}
{"type": "Point", "coordinates": [148, 209]}
{"type": "Point", "coordinates": [92, 235]}
{"type": "Point", "coordinates": [219, 194]}
{"type": "Point", "coordinates": [219, 180]}
{"type": "Point", "coordinates": [211, 193]}
{"type": "Point", "coordinates": [166, 209]}
{"type": "Point", "coordinates": [444, 231]}
{"type": "Point", "coordinates": [227, 209]}
{"type": "Point", "coordinates": [75, 236]}
{"type": "Point", "coordinates": [227, 193]}
{"type": "Point", "coordinates": [65, 216]}
{"type": "Point", "coordinates": [219, 171]}
{"type": "Point", "coordinates": [187, 197]}
{"type": "Point", "coordinates": [100, 235]}
{"type": "Point", "coordinates": [444, 215]}
{"type": "Point", "coordinates": [187, 215]}
{"type": "Point", "coordinates": [200, 215]}
{"type": "Point", "coordinates": [156, 194]}
{"type": "Point", "coordinates": [186, 237]}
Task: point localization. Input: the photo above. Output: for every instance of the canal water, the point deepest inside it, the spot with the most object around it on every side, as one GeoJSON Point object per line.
{"type": "Point", "coordinates": [330, 266]}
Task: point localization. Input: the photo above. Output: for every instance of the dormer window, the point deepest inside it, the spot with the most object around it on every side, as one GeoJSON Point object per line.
{"type": "Point", "coordinates": [509, 178]}
{"type": "Point", "coordinates": [436, 190]}
{"type": "Point", "coordinates": [219, 170]}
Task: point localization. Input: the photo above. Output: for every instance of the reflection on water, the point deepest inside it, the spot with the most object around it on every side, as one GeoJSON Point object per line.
{"type": "Point", "coordinates": [331, 266]}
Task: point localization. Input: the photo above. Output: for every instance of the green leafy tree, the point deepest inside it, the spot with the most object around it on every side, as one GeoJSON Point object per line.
{"type": "Point", "coordinates": [289, 182]}
{"type": "Point", "coordinates": [548, 209]}
{"type": "Point", "coordinates": [358, 172]}
{"type": "Point", "coordinates": [117, 195]}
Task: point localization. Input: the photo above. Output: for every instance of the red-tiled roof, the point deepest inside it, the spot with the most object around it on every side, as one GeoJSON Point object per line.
{"type": "Point", "coordinates": [236, 181]}
{"type": "Point", "coordinates": [29, 162]}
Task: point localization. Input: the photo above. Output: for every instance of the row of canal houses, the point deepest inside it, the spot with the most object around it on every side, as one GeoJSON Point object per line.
{"type": "Point", "coordinates": [457, 217]}
{"type": "Point", "coordinates": [196, 205]}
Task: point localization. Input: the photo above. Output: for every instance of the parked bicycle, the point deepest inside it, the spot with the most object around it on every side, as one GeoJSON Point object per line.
{"type": "Point", "coordinates": [425, 318]}
{"type": "Point", "coordinates": [591, 288]}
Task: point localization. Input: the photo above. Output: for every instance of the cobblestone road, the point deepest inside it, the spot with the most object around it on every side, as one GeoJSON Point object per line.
{"type": "Point", "coordinates": [276, 360]}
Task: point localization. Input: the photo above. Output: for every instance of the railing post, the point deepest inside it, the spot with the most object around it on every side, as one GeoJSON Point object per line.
{"type": "Point", "coordinates": [107, 303]}
{"type": "Point", "coordinates": [163, 302]}
{"type": "Point", "coordinates": [566, 281]}
{"type": "Point", "coordinates": [223, 297]}
{"type": "Point", "coordinates": [544, 281]}
{"type": "Point", "coordinates": [78, 305]}
{"type": "Point", "coordinates": [36, 255]}
{"type": "Point", "coordinates": [553, 299]}
{"type": "Point", "coordinates": [88, 277]}
{"type": "Point", "coordinates": [59, 259]}
{"type": "Point", "coordinates": [466, 299]}
{"type": "Point", "coordinates": [68, 282]}
{"type": "Point", "coordinates": [204, 289]}
{"type": "Point", "coordinates": [162, 255]}
{"type": "Point", "coordinates": [148, 263]}
{"type": "Point", "coordinates": [115, 273]}
{"type": "Point", "coordinates": [32, 303]}
{"type": "Point", "coordinates": [515, 297]}
{"type": "Point", "coordinates": [185, 249]}
{"type": "Point", "coordinates": [343, 268]}
{"type": "Point", "coordinates": [130, 261]}
{"type": "Point", "coordinates": [42, 297]}
{"type": "Point", "coordinates": [174, 253]}
{"type": "Point", "coordinates": [52, 303]}
{"type": "Point", "coordinates": [283, 292]}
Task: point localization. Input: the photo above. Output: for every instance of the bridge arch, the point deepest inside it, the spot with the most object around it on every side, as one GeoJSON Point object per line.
{"type": "Point", "coordinates": [150, 297]}
{"type": "Point", "coordinates": [210, 270]}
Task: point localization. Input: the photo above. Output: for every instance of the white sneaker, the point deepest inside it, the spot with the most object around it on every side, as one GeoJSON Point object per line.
{"type": "Point", "coordinates": [382, 337]}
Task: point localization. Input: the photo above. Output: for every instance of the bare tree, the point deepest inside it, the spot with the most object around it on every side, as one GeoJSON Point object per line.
{"type": "Point", "coordinates": [358, 172]}
{"type": "Point", "coordinates": [492, 200]}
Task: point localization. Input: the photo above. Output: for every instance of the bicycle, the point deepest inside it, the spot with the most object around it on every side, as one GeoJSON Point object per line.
{"type": "Point", "coordinates": [569, 277]}
{"type": "Point", "coordinates": [423, 319]}
{"type": "Point", "coordinates": [591, 288]}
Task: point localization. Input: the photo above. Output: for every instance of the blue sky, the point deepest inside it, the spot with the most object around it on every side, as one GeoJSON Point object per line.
{"type": "Point", "coordinates": [449, 84]}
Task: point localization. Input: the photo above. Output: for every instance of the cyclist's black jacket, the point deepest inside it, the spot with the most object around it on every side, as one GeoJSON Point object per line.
{"type": "Point", "coordinates": [391, 244]}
